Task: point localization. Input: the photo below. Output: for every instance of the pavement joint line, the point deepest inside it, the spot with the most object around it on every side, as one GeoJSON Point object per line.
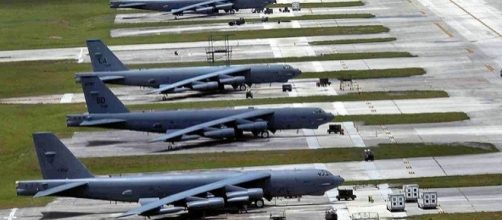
{"type": "Point", "coordinates": [443, 29]}
{"type": "Point", "coordinates": [440, 166]}
{"type": "Point", "coordinates": [467, 199]}
{"type": "Point", "coordinates": [479, 20]}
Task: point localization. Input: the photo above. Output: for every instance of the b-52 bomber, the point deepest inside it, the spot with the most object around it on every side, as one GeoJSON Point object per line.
{"type": "Point", "coordinates": [106, 110]}
{"type": "Point", "coordinates": [175, 80]}
{"type": "Point", "coordinates": [180, 7]}
{"type": "Point", "coordinates": [195, 192]}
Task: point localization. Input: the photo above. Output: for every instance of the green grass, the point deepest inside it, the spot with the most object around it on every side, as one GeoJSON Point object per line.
{"type": "Point", "coordinates": [53, 23]}
{"type": "Point", "coordinates": [365, 74]}
{"type": "Point", "coordinates": [322, 57]}
{"type": "Point", "coordinates": [249, 20]}
{"type": "Point", "coordinates": [353, 41]}
{"type": "Point", "coordinates": [459, 216]}
{"type": "Point", "coordinates": [39, 77]}
{"type": "Point", "coordinates": [405, 118]}
{"type": "Point", "coordinates": [439, 182]}
{"type": "Point", "coordinates": [321, 5]}
{"type": "Point", "coordinates": [392, 95]}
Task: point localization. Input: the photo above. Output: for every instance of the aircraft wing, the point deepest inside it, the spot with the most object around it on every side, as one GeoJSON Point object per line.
{"type": "Point", "coordinates": [58, 189]}
{"type": "Point", "coordinates": [222, 121]}
{"type": "Point", "coordinates": [244, 178]}
{"type": "Point", "coordinates": [190, 81]}
{"type": "Point", "coordinates": [195, 6]}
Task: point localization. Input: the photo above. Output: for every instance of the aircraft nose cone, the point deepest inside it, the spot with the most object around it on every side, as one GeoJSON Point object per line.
{"type": "Point", "coordinates": [329, 117]}
{"type": "Point", "coordinates": [338, 180]}
{"type": "Point", "coordinates": [298, 72]}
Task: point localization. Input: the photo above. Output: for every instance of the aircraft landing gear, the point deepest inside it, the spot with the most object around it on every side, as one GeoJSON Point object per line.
{"type": "Point", "coordinates": [264, 134]}
{"type": "Point", "coordinates": [170, 147]}
{"type": "Point", "coordinates": [242, 87]}
{"type": "Point", "coordinates": [259, 203]}
{"type": "Point", "coordinates": [164, 97]}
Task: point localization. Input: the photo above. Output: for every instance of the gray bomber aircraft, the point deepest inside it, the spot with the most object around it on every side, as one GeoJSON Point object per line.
{"type": "Point", "coordinates": [65, 176]}
{"type": "Point", "coordinates": [175, 80]}
{"type": "Point", "coordinates": [106, 110]}
{"type": "Point", "coordinates": [180, 7]}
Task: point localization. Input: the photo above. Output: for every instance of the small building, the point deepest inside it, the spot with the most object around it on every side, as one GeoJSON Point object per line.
{"type": "Point", "coordinates": [427, 200]}
{"type": "Point", "coordinates": [411, 192]}
{"type": "Point", "coordinates": [396, 202]}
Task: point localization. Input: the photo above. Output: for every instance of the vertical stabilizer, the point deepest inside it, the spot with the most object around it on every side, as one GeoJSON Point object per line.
{"type": "Point", "coordinates": [56, 161]}
{"type": "Point", "coordinates": [102, 58]}
{"type": "Point", "coordinates": [98, 97]}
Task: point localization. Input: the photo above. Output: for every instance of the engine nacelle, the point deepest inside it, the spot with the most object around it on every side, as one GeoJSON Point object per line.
{"type": "Point", "coordinates": [245, 195]}
{"type": "Point", "coordinates": [170, 210]}
{"type": "Point", "coordinates": [233, 80]}
{"type": "Point", "coordinates": [189, 137]}
{"type": "Point", "coordinates": [206, 86]}
{"type": "Point", "coordinates": [220, 133]}
{"type": "Point", "coordinates": [255, 126]}
{"type": "Point", "coordinates": [210, 203]}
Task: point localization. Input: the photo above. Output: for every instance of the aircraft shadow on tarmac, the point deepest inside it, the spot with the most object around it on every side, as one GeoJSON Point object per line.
{"type": "Point", "coordinates": [61, 215]}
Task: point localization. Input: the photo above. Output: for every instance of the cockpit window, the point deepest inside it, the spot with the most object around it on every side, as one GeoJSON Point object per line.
{"type": "Point", "coordinates": [323, 173]}
{"type": "Point", "coordinates": [286, 67]}
{"type": "Point", "coordinates": [318, 111]}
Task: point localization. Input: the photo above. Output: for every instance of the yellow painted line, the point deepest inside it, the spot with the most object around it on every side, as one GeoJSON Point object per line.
{"type": "Point", "coordinates": [479, 20]}
{"type": "Point", "coordinates": [490, 67]}
{"type": "Point", "coordinates": [443, 29]}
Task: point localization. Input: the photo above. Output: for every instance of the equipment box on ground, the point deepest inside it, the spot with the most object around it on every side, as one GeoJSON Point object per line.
{"type": "Point", "coordinates": [427, 200]}
{"type": "Point", "coordinates": [411, 192]}
{"type": "Point", "coordinates": [396, 202]}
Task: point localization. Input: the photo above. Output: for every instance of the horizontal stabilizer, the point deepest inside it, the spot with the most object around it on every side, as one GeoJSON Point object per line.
{"type": "Point", "coordinates": [129, 5]}
{"type": "Point", "coordinates": [101, 122]}
{"type": "Point", "coordinates": [59, 189]}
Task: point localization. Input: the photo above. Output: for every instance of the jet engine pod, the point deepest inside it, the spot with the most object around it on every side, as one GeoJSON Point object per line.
{"type": "Point", "coordinates": [210, 203]}
{"type": "Point", "coordinates": [233, 80]}
{"type": "Point", "coordinates": [170, 210]}
{"type": "Point", "coordinates": [220, 133]}
{"type": "Point", "coordinates": [255, 126]}
{"type": "Point", "coordinates": [250, 194]}
{"type": "Point", "coordinates": [206, 86]}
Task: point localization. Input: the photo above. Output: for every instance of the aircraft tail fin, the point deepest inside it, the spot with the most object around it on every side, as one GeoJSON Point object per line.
{"type": "Point", "coordinates": [102, 58]}
{"type": "Point", "coordinates": [56, 161]}
{"type": "Point", "coordinates": [98, 97]}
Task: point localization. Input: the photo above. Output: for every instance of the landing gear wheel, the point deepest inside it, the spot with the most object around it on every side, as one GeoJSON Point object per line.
{"type": "Point", "coordinates": [264, 134]}
{"type": "Point", "coordinates": [170, 147]}
{"type": "Point", "coordinates": [242, 87]}
{"type": "Point", "coordinates": [259, 203]}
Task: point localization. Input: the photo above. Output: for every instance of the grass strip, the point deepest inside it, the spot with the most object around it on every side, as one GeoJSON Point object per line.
{"type": "Point", "coordinates": [365, 74]}
{"type": "Point", "coordinates": [321, 5]}
{"type": "Point", "coordinates": [248, 20]}
{"type": "Point", "coordinates": [392, 95]}
{"type": "Point", "coordinates": [323, 57]}
{"type": "Point", "coordinates": [439, 182]}
{"type": "Point", "coordinates": [405, 118]}
{"type": "Point", "coordinates": [459, 216]}
{"type": "Point", "coordinates": [353, 41]}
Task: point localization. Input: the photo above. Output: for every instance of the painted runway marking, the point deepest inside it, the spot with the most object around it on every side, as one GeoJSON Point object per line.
{"type": "Point", "coordinates": [80, 58]}
{"type": "Point", "coordinates": [67, 98]}
{"type": "Point", "coordinates": [351, 130]}
{"type": "Point", "coordinates": [12, 214]}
